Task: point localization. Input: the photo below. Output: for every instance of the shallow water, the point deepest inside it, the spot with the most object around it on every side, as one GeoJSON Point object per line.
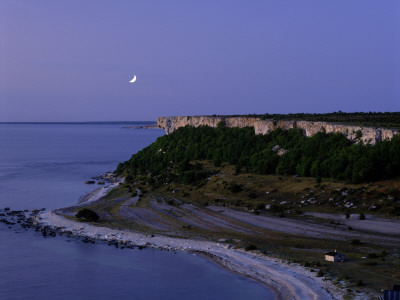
{"type": "Point", "coordinates": [45, 165]}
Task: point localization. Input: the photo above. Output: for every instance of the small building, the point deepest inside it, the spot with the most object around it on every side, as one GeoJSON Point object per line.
{"type": "Point", "coordinates": [334, 256]}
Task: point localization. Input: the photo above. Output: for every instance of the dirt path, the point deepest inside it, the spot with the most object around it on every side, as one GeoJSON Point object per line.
{"type": "Point", "coordinates": [300, 227]}
{"type": "Point", "coordinates": [371, 223]}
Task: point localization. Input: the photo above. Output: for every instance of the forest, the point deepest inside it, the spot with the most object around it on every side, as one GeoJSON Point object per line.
{"type": "Point", "coordinates": [177, 157]}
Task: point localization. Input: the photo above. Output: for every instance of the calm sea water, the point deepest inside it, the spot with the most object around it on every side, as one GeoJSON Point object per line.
{"type": "Point", "coordinates": [45, 165]}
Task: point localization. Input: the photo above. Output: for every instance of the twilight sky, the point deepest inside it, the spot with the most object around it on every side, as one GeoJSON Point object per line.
{"type": "Point", "coordinates": [72, 60]}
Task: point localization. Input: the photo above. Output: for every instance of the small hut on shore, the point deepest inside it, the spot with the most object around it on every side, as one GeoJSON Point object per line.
{"type": "Point", "coordinates": [334, 256]}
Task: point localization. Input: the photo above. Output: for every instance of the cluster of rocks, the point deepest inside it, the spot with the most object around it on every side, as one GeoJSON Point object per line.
{"type": "Point", "coordinates": [341, 200]}
{"type": "Point", "coordinates": [117, 240]}
{"type": "Point", "coordinates": [345, 198]}
{"type": "Point", "coordinates": [104, 178]}
{"type": "Point", "coordinates": [124, 244]}
{"type": "Point", "coordinates": [30, 219]}
{"type": "Point", "coordinates": [280, 151]}
{"type": "Point", "coordinates": [46, 230]}
{"type": "Point", "coordinates": [24, 218]}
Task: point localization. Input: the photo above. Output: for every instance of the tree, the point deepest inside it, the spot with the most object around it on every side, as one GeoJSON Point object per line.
{"type": "Point", "coordinates": [217, 157]}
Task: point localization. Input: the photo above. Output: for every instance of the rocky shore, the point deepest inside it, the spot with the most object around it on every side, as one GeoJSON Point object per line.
{"type": "Point", "coordinates": [287, 280]}
{"type": "Point", "coordinates": [24, 218]}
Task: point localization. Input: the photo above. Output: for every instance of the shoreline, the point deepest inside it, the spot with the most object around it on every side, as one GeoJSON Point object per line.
{"type": "Point", "coordinates": [285, 280]}
{"type": "Point", "coordinates": [97, 193]}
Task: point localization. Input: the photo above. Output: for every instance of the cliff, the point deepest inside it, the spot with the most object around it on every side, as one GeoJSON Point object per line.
{"type": "Point", "coordinates": [368, 134]}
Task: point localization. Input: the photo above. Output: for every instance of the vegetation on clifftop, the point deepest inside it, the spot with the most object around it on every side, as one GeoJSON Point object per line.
{"type": "Point", "coordinates": [284, 152]}
{"type": "Point", "coordinates": [370, 119]}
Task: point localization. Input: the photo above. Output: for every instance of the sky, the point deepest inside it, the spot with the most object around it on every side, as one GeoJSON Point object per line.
{"type": "Point", "coordinates": [73, 60]}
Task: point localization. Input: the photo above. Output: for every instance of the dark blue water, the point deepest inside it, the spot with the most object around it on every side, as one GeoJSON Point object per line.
{"type": "Point", "coordinates": [45, 165]}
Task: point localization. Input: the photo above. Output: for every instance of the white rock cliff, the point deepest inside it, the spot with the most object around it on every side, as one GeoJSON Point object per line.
{"type": "Point", "coordinates": [368, 134]}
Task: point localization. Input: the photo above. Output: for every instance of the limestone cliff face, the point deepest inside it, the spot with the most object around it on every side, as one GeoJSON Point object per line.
{"type": "Point", "coordinates": [368, 134]}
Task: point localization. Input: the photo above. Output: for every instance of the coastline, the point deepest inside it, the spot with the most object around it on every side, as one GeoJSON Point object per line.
{"type": "Point", "coordinates": [97, 193]}
{"type": "Point", "coordinates": [286, 280]}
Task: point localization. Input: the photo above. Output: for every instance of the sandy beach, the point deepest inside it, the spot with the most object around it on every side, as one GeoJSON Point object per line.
{"type": "Point", "coordinates": [287, 280]}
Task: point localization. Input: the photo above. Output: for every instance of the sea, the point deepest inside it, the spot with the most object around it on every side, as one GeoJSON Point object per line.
{"type": "Point", "coordinates": [45, 165]}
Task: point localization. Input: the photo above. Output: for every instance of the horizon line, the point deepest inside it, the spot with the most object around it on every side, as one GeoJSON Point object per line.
{"type": "Point", "coordinates": [72, 122]}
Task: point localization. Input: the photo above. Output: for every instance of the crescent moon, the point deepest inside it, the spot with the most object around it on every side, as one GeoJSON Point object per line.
{"type": "Point", "coordinates": [133, 79]}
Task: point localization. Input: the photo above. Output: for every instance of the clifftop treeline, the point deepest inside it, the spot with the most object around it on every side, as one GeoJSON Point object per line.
{"type": "Point", "coordinates": [368, 119]}
{"type": "Point", "coordinates": [177, 157]}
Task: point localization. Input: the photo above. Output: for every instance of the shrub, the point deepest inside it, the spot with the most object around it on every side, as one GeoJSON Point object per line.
{"type": "Point", "coordinates": [372, 255]}
{"type": "Point", "coordinates": [395, 211]}
{"type": "Point", "coordinates": [129, 178]}
{"type": "Point", "coordinates": [362, 216]}
{"type": "Point", "coordinates": [356, 242]}
{"type": "Point", "coordinates": [252, 195]}
{"type": "Point", "coordinates": [320, 273]}
{"type": "Point", "coordinates": [251, 247]}
{"type": "Point", "coordinates": [235, 188]}
{"type": "Point", "coordinates": [359, 283]}
{"type": "Point", "coordinates": [260, 206]}
{"type": "Point", "coordinates": [87, 215]}
{"type": "Point", "coordinates": [298, 211]}
{"type": "Point", "coordinates": [276, 208]}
